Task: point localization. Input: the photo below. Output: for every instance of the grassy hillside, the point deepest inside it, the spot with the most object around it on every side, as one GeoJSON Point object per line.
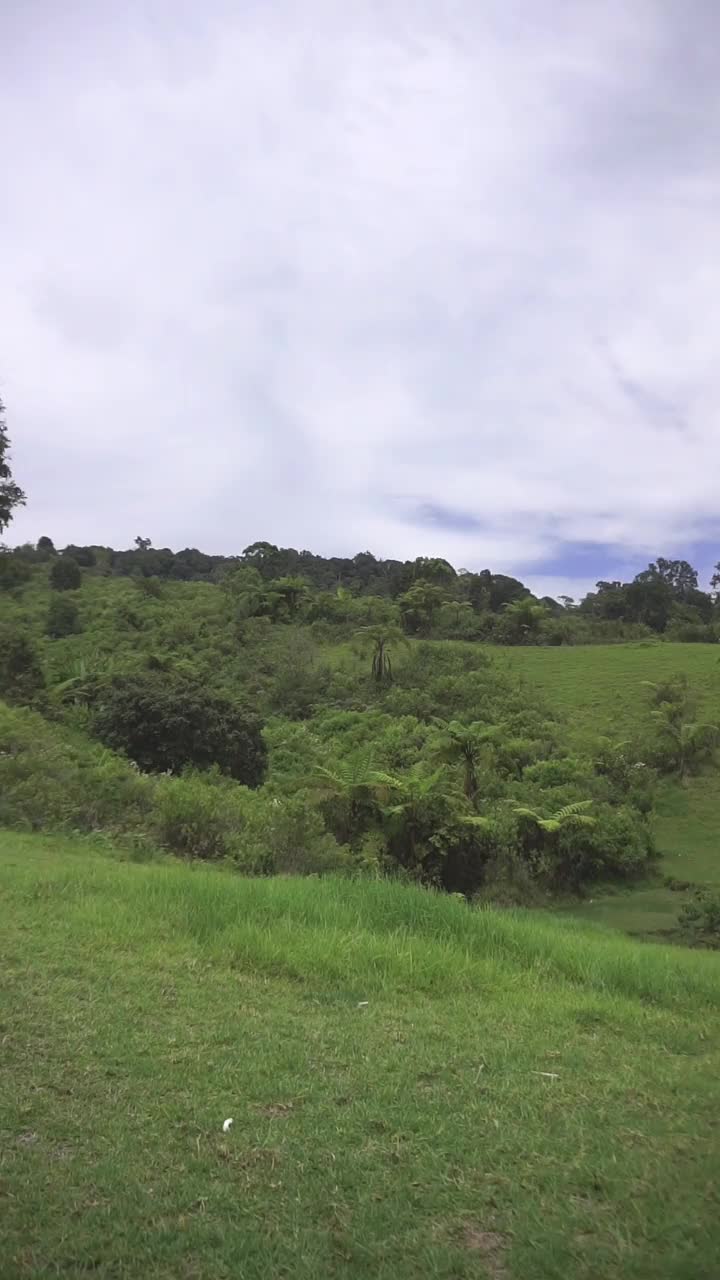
{"type": "Point", "coordinates": [599, 689]}
{"type": "Point", "coordinates": [463, 733]}
{"type": "Point", "coordinates": [417, 1089]}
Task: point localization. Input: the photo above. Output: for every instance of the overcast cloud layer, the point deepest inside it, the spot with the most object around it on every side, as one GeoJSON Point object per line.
{"type": "Point", "coordinates": [417, 276]}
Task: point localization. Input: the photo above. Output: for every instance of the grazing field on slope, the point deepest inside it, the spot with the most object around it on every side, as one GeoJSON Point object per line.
{"type": "Point", "coordinates": [599, 688]}
{"type": "Point", "coordinates": [417, 1089]}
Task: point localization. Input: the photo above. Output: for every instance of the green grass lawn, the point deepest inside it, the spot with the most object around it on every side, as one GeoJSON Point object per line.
{"type": "Point", "coordinates": [417, 1089]}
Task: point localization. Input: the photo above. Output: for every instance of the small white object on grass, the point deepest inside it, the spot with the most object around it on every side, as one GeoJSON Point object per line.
{"type": "Point", "coordinates": [227, 1126]}
{"type": "Point", "coordinates": [363, 1004]}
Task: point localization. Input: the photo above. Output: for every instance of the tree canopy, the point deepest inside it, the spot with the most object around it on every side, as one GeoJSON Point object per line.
{"type": "Point", "coordinates": [11, 495]}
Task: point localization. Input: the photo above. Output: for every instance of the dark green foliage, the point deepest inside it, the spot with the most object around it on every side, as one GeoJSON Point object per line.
{"type": "Point", "coordinates": [84, 556]}
{"type": "Point", "coordinates": [11, 495]}
{"type": "Point", "coordinates": [65, 574]}
{"type": "Point", "coordinates": [63, 618]}
{"type": "Point", "coordinates": [699, 920]}
{"type": "Point", "coordinates": [14, 571]}
{"type": "Point", "coordinates": [432, 598]}
{"type": "Point", "coordinates": [21, 675]}
{"type": "Point", "coordinates": [166, 724]}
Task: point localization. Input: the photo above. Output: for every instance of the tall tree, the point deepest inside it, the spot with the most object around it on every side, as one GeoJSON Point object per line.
{"type": "Point", "coordinates": [679, 576]}
{"type": "Point", "coordinates": [11, 495]}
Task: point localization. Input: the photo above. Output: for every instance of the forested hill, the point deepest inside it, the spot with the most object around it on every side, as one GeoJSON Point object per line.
{"type": "Point", "coordinates": [428, 596]}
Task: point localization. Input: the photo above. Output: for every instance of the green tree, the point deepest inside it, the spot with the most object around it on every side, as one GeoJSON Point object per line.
{"type": "Point", "coordinates": [419, 605]}
{"type": "Point", "coordinates": [21, 675]}
{"type": "Point", "coordinates": [62, 618]}
{"type": "Point", "coordinates": [522, 620]}
{"type": "Point", "coordinates": [14, 572]}
{"type": "Point", "coordinates": [381, 640]}
{"type": "Point", "coordinates": [85, 556]}
{"type": "Point", "coordinates": [11, 495]}
{"type": "Point", "coordinates": [65, 574]}
{"type": "Point", "coordinates": [287, 595]}
{"type": "Point", "coordinates": [458, 610]}
{"type": "Point", "coordinates": [348, 788]}
{"type": "Point", "coordinates": [412, 806]}
{"type": "Point", "coordinates": [167, 723]}
{"type": "Point", "coordinates": [468, 745]}
{"type": "Point", "coordinates": [683, 743]}
{"type": "Point", "coordinates": [433, 569]}
{"type": "Point", "coordinates": [678, 575]}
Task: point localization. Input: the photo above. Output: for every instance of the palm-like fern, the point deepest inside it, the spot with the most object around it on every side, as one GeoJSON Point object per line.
{"type": "Point", "coordinates": [406, 803]}
{"type": "Point", "coordinates": [468, 745]}
{"type": "Point", "coordinates": [381, 640]}
{"type": "Point", "coordinates": [571, 815]}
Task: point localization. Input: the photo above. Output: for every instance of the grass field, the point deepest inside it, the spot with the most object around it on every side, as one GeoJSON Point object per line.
{"type": "Point", "coordinates": [417, 1089]}
{"type": "Point", "coordinates": [599, 689]}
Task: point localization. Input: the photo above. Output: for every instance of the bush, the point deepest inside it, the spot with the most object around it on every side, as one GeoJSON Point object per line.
{"type": "Point", "coordinates": [207, 816]}
{"type": "Point", "coordinates": [21, 676]}
{"type": "Point", "coordinates": [65, 574]}
{"type": "Point", "coordinates": [62, 619]}
{"type": "Point", "coordinates": [699, 919]}
{"type": "Point", "coordinates": [166, 724]}
{"type": "Point", "coordinates": [14, 572]}
{"type": "Point", "coordinates": [196, 819]}
{"type": "Point", "coordinates": [618, 847]}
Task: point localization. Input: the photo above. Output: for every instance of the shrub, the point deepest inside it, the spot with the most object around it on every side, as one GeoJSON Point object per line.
{"type": "Point", "coordinates": [165, 724]}
{"type": "Point", "coordinates": [287, 836]}
{"type": "Point", "coordinates": [62, 618]}
{"type": "Point", "coordinates": [21, 676]}
{"type": "Point", "coordinates": [207, 816]}
{"type": "Point", "coordinates": [618, 846]}
{"type": "Point", "coordinates": [196, 819]}
{"type": "Point", "coordinates": [560, 771]}
{"type": "Point", "coordinates": [14, 572]}
{"type": "Point", "coordinates": [699, 919]}
{"type": "Point", "coordinates": [65, 574]}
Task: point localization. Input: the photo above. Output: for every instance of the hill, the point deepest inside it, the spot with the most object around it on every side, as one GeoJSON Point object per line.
{"type": "Point", "coordinates": [416, 1088]}
{"type": "Point", "coordinates": [367, 746]}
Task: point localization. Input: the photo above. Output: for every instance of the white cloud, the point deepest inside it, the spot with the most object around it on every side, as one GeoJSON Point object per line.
{"type": "Point", "coordinates": [298, 270]}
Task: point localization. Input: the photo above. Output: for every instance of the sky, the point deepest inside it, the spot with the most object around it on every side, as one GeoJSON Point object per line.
{"type": "Point", "coordinates": [420, 277]}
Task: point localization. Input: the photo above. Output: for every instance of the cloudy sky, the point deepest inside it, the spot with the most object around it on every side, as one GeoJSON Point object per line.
{"type": "Point", "coordinates": [414, 276]}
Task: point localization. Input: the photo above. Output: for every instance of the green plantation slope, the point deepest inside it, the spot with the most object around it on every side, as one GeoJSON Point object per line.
{"type": "Point", "coordinates": [417, 1089]}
